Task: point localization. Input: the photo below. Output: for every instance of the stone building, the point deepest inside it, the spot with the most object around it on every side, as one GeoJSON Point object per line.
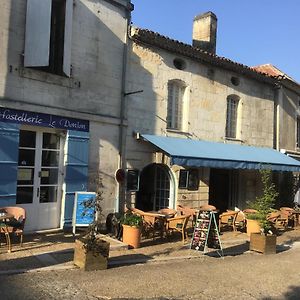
{"type": "Point", "coordinates": [61, 85]}
{"type": "Point", "coordinates": [82, 93]}
{"type": "Point", "coordinates": [203, 125]}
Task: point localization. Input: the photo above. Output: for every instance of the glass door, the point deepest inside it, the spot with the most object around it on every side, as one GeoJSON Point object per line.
{"type": "Point", "coordinates": [40, 178]}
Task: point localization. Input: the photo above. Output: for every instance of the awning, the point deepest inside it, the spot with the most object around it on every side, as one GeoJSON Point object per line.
{"type": "Point", "coordinates": [194, 153]}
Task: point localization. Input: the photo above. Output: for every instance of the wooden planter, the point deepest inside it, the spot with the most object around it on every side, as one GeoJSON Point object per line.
{"type": "Point", "coordinates": [252, 226]}
{"type": "Point", "coordinates": [132, 236]}
{"type": "Point", "coordinates": [93, 259]}
{"type": "Point", "coordinates": [265, 244]}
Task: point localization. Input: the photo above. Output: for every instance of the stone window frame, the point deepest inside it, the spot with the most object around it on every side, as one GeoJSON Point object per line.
{"type": "Point", "coordinates": [176, 104]}
{"type": "Point", "coordinates": [232, 111]}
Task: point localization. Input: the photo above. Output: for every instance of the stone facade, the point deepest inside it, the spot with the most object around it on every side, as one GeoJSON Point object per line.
{"type": "Point", "coordinates": [207, 85]}
{"type": "Point", "coordinates": [92, 92]}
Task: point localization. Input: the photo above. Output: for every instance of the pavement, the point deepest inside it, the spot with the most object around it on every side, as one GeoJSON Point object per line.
{"type": "Point", "coordinates": [54, 250]}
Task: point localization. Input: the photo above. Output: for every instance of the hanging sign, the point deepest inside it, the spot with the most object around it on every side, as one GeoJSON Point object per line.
{"type": "Point", "coordinates": [44, 120]}
{"type": "Point", "coordinates": [84, 212]}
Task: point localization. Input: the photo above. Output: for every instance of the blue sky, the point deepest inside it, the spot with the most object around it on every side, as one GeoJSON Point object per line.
{"type": "Point", "coordinates": [251, 32]}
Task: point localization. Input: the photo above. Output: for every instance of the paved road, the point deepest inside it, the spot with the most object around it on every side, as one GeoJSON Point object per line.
{"type": "Point", "coordinates": [247, 276]}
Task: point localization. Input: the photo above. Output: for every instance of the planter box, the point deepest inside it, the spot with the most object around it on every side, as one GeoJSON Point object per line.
{"type": "Point", "coordinates": [265, 244]}
{"type": "Point", "coordinates": [93, 259]}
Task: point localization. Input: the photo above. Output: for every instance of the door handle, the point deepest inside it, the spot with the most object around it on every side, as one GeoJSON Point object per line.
{"type": "Point", "coordinates": [38, 192]}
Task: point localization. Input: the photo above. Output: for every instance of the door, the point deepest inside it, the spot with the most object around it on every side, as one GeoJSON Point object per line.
{"type": "Point", "coordinates": [155, 188]}
{"type": "Point", "coordinates": [40, 178]}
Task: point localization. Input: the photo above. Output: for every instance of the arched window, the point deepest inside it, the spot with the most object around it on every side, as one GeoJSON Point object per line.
{"type": "Point", "coordinates": [231, 116]}
{"type": "Point", "coordinates": [176, 90]}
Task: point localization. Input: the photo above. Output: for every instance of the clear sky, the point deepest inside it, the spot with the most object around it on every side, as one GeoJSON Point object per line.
{"type": "Point", "coordinates": [251, 32]}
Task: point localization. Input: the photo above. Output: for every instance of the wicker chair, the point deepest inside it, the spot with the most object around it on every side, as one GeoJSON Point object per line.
{"type": "Point", "coordinates": [178, 224]}
{"type": "Point", "coordinates": [16, 226]}
{"type": "Point", "coordinates": [152, 222]}
{"type": "Point", "coordinates": [228, 220]}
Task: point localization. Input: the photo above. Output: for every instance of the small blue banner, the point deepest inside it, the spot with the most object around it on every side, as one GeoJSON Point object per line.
{"type": "Point", "coordinates": [44, 120]}
{"type": "Point", "coordinates": [83, 214]}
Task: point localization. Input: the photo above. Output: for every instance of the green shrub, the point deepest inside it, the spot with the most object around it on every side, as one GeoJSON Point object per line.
{"type": "Point", "coordinates": [264, 203]}
{"type": "Point", "coordinates": [132, 219]}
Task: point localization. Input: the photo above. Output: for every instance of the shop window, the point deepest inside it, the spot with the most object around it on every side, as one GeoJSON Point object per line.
{"type": "Point", "coordinates": [189, 179]}
{"type": "Point", "coordinates": [176, 91]}
{"type": "Point", "coordinates": [133, 180]}
{"type": "Point", "coordinates": [231, 116]}
{"type": "Point", "coordinates": [48, 36]}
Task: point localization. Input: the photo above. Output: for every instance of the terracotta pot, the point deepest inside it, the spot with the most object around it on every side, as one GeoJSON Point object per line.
{"type": "Point", "coordinates": [252, 226]}
{"type": "Point", "coordinates": [131, 236]}
{"type": "Point", "coordinates": [265, 244]}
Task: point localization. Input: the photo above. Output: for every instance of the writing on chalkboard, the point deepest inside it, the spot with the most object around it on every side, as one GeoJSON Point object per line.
{"type": "Point", "coordinates": [84, 212]}
{"type": "Point", "coordinates": [206, 234]}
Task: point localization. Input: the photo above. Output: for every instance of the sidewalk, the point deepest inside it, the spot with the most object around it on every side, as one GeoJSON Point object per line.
{"type": "Point", "coordinates": [54, 251]}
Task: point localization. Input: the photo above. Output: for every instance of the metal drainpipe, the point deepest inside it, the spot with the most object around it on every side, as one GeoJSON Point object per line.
{"type": "Point", "coordinates": [122, 132]}
{"type": "Point", "coordinates": [277, 115]}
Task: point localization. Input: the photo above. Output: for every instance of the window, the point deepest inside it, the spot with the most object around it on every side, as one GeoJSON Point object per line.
{"type": "Point", "coordinates": [48, 35]}
{"type": "Point", "coordinates": [133, 180]}
{"type": "Point", "coordinates": [189, 179]}
{"type": "Point", "coordinates": [298, 133]}
{"type": "Point", "coordinates": [176, 91]}
{"type": "Point", "coordinates": [231, 116]}
{"type": "Point", "coordinates": [179, 64]}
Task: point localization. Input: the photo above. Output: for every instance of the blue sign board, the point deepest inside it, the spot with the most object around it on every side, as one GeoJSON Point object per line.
{"type": "Point", "coordinates": [83, 215]}
{"type": "Point", "coordinates": [44, 120]}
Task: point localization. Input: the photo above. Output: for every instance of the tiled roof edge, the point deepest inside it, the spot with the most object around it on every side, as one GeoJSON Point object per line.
{"type": "Point", "coordinates": [151, 38]}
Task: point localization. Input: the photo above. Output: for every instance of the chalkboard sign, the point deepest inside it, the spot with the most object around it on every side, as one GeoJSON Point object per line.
{"type": "Point", "coordinates": [83, 213]}
{"type": "Point", "coordinates": [206, 233]}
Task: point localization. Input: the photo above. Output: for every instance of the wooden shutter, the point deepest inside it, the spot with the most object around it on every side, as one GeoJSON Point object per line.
{"type": "Point", "coordinates": [9, 136]}
{"type": "Point", "coordinates": [76, 169]}
{"type": "Point", "coordinates": [37, 33]}
{"type": "Point", "coordinates": [68, 38]}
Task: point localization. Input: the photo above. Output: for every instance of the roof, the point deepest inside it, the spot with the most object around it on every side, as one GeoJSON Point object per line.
{"type": "Point", "coordinates": [155, 39]}
{"type": "Point", "coordinates": [196, 153]}
{"type": "Point", "coordinates": [271, 70]}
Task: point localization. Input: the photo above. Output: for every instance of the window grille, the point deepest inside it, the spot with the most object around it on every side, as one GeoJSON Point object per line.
{"type": "Point", "coordinates": [175, 105]}
{"type": "Point", "coordinates": [231, 117]}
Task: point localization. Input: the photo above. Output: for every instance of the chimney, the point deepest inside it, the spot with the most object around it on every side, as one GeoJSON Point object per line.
{"type": "Point", "coordinates": [205, 32]}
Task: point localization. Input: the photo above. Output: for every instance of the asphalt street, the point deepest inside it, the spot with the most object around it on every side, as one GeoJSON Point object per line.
{"type": "Point", "coordinates": [245, 276]}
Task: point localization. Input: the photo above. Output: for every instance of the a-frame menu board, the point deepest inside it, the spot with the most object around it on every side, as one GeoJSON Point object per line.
{"type": "Point", "coordinates": [206, 233]}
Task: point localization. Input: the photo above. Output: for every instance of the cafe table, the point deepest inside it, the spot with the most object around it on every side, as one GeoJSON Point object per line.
{"type": "Point", "coordinates": [4, 217]}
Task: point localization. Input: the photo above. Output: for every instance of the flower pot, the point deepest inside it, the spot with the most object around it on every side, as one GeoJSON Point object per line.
{"type": "Point", "coordinates": [91, 258]}
{"type": "Point", "coordinates": [131, 236]}
{"type": "Point", "coordinates": [252, 226]}
{"type": "Point", "coordinates": [265, 244]}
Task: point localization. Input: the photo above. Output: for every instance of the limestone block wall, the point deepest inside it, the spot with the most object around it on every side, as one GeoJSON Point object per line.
{"type": "Point", "coordinates": [289, 112]}
{"type": "Point", "coordinates": [207, 91]}
{"type": "Point", "coordinates": [97, 50]}
{"type": "Point", "coordinates": [208, 87]}
{"type": "Point", "coordinates": [93, 92]}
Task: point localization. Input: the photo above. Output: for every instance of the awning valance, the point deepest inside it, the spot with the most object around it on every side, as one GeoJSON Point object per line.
{"type": "Point", "coordinates": [194, 153]}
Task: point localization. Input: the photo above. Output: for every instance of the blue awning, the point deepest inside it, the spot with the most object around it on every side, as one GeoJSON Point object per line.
{"type": "Point", "coordinates": [194, 153]}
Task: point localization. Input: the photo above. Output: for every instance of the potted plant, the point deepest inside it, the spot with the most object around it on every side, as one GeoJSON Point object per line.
{"type": "Point", "coordinates": [91, 252]}
{"type": "Point", "coordinates": [132, 225]}
{"type": "Point", "coordinates": [265, 240]}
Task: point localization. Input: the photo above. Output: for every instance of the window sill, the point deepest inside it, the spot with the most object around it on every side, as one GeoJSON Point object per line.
{"type": "Point", "coordinates": [233, 140]}
{"type": "Point", "coordinates": [178, 131]}
{"type": "Point", "coordinates": [47, 77]}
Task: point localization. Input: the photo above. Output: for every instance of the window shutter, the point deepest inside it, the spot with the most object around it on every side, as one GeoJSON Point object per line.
{"type": "Point", "coordinates": [76, 170]}
{"type": "Point", "coordinates": [37, 33]}
{"type": "Point", "coordinates": [9, 136]}
{"type": "Point", "coordinates": [68, 38]}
